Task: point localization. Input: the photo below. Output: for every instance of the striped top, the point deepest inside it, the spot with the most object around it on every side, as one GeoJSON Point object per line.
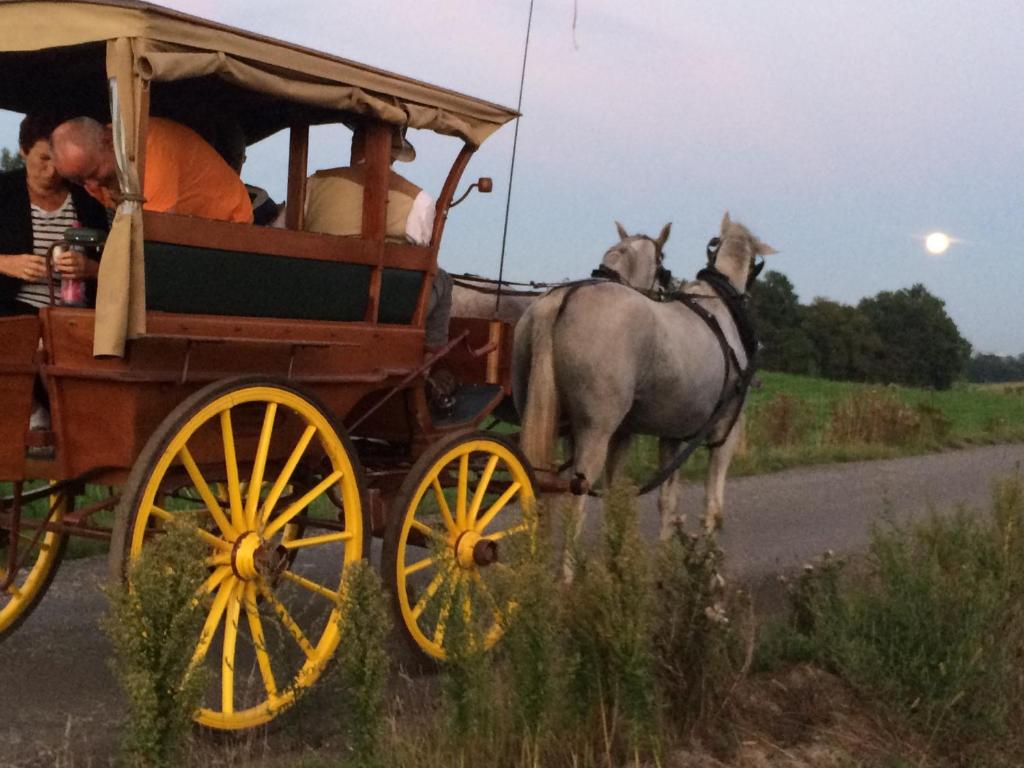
{"type": "Point", "coordinates": [48, 227]}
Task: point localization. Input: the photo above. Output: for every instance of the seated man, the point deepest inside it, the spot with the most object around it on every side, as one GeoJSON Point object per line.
{"type": "Point", "coordinates": [334, 196]}
{"type": "Point", "coordinates": [184, 174]}
{"type": "Point", "coordinates": [334, 206]}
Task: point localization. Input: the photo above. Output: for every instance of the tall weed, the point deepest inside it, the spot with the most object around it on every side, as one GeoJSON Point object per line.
{"type": "Point", "coordinates": [154, 625]}
{"type": "Point", "coordinates": [364, 664]}
{"type": "Point", "coordinates": [703, 636]}
{"type": "Point", "coordinates": [935, 628]}
{"type": "Point", "coordinates": [610, 634]}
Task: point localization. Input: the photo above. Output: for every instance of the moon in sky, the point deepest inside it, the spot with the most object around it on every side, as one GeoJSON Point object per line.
{"type": "Point", "coordinates": [936, 243]}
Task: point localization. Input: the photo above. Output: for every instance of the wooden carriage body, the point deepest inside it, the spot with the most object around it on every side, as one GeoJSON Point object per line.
{"type": "Point", "coordinates": [264, 388]}
{"type": "Point", "coordinates": [204, 300]}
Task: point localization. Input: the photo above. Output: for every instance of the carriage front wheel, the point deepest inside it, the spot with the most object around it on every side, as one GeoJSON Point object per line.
{"type": "Point", "coordinates": [265, 478]}
{"type": "Point", "coordinates": [463, 510]}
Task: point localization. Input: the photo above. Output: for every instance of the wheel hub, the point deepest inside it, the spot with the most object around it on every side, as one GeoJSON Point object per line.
{"type": "Point", "coordinates": [471, 549]}
{"type": "Point", "coordinates": [249, 557]}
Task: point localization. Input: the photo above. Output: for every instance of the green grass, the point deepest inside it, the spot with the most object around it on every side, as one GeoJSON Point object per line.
{"type": "Point", "coordinates": [964, 415]}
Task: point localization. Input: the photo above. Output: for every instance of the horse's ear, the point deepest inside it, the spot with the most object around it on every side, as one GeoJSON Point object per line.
{"type": "Point", "coordinates": [726, 221]}
{"type": "Point", "coordinates": [663, 236]}
{"type": "Point", "coordinates": [763, 249]}
{"type": "Point", "coordinates": [622, 231]}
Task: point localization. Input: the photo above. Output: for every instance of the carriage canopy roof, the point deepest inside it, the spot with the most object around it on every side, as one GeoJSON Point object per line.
{"type": "Point", "coordinates": [168, 46]}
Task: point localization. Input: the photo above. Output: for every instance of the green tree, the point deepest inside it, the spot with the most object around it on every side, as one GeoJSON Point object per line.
{"type": "Point", "coordinates": [846, 346]}
{"type": "Point", "coordinates": [777, 316]}
{"type": "Point", "coordinates": [9, 161]}
{"type": "Point", "coordinates": [921, 345]}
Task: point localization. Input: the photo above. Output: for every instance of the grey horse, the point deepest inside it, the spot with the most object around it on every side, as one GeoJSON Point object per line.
{"type": "Point", "coordinates": [474, 296]}
{"type": "Point", "coordinates": [619, 364]}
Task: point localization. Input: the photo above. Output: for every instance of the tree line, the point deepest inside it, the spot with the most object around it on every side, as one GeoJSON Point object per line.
{"type": "Point", "coordinates": [900, 337]}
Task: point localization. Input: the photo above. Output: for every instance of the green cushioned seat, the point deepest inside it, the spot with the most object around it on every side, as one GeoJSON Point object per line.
{"type": "Point", "coordinates": [206, 281]}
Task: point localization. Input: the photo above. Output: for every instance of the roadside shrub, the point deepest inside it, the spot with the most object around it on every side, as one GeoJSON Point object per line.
{"type": "Point", "coordinates": [154, 626]}
{"type": "Point", "coordinates": [703, 635]}
{"type": "Point", "coordinates": [875, 416]}
{"type": "Point", "coordinates": [364, 663]}
{"type": "Point", "coordinates": [782, 422]}
{"type": "Point", "coordinates": [935, 628]}
{"type": "Point", "coordinates": [610, 634]}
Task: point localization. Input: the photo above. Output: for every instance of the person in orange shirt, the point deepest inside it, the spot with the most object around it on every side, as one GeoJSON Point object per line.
{"type": "Point", "coordinates": [184, 174]}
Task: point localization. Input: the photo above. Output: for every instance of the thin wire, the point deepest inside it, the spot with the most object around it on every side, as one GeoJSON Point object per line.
{"type": "Point", "coordinates": [512, 168]}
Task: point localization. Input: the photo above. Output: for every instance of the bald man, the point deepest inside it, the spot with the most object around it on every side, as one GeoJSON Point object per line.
{"type": "Point", "coordinates": [184, 174]}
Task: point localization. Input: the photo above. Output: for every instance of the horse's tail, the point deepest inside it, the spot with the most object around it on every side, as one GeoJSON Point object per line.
{"type": "Point", "coordinates": [540, 415]}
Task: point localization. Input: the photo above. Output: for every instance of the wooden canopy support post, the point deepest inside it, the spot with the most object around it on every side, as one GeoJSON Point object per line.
{"type": "Point", "coordinates": [298, 154]}
{"type": "Point", "coordinates": [377, 148]}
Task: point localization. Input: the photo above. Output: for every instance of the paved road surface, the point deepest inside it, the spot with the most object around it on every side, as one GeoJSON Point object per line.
{"type": "Point", "coordinates": [56, 687]}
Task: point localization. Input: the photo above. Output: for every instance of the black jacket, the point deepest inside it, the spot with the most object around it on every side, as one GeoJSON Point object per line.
{"type": "Point", "coordinates": [16, 222]}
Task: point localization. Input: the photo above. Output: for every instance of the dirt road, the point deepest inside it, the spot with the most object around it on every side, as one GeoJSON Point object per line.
{"type": "Point", "coordinates": [56, 687]}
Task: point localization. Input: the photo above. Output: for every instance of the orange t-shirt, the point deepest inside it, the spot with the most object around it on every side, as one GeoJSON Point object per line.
{"type": "Point", "coordinates": [185, 175]}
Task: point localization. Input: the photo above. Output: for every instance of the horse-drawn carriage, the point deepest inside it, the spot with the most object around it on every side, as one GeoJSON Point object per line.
{"type": "Point", "coordinates": [266, 386]}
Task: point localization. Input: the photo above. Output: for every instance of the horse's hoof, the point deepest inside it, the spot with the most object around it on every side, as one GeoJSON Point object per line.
{"type": "Point", "coordinates": [579, 485]}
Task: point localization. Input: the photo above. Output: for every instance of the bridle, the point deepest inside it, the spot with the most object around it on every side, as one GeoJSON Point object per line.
{"type": "Point", "coordinates": [661, 282]}
{"type": "Point", "coordinates": [756, 263]}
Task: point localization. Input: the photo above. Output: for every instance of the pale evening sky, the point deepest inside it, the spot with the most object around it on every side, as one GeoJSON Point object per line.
{"type": "Point", "coordinates": [841, 133]}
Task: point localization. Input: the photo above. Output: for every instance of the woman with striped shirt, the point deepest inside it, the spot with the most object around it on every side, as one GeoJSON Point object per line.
{"type": "Point", "coordinates": [36, 207]}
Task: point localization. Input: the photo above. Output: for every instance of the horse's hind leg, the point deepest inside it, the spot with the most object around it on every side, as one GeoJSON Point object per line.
{"type": "Point", "coordinates": [671, 489]}
{"type": "Point", "coordinates": [718, 467]}
{"type": "Point", "coordinates": [590, 451]}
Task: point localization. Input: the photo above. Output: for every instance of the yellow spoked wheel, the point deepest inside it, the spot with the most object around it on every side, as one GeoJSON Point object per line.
{"type": "Point", "coordinates": [251, 465]}
{"type": "Point", "coordinates": [37, 557]}
{"type": "Point", "coordinates": [467, 501]}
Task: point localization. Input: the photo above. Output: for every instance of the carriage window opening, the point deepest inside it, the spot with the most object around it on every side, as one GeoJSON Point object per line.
{"type": "Point", "coordinates": [338, 168]}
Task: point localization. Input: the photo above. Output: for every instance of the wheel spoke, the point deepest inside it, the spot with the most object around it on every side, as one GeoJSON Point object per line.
{"type": "Point", "coordinates": [220, 603]}
{"type": "Point", "coordinates": [206, 536]}
{"type": "Point", "coordinates": [227, 668]}
{"type": "Point", "coordinates": [427, 531]}
{"type": "Point", "coordinates": [497, 506]}
{"type": "Point", "coordinates": [418, 566]}
{"type": "Point", "coordinates": [231, 465]}
{"type": "Point", "coordinates": [499, 535]}
{"type": "Point", "coordinates": [313, 541]}
{"type": "Point", "coordinates": [259, 465]}
{"type": "Point", "coordinates": [442, 619]}
{"type": "Point", "coordinates": [214, 580]}
{"type": "Point", "coordinates": [286, 473]}
{"type": "Point", "coordinates": [259, 641]}
{"type": "Point", "coordinates": [288, 621]}
{"type": "Point", "coordinates": [429, 593]}
{"type": "Point", "coordinates": [200, 484]}
{"type": "Point", "coordinates": [463, 490]}
{"type": "Point", "coordinates": [442, 504]}
{"type": "Point", "coordinates": [312, 586]}
{"type": "Point", "coordinates": [481, 489]}
{"type": "Point", "coordinates": [295, 507]}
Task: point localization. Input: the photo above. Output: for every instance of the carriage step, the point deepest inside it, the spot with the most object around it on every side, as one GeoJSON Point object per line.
{"type": "Point", "coordinates": [470, 403]}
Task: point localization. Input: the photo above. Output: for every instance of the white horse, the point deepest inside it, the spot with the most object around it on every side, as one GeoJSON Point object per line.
{"type": "Point", "coordinates": [619, 363]}
{"type": "Point", "coordinates": [474, 296]}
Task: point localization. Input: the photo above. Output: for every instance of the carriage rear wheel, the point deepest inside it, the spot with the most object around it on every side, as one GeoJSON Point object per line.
{"type": "Point", "coordinates": [252, 466]}
{"type": "Point", "coordinates": [37, 557]}
{"type": "Point", "coordinates": [462, 510]}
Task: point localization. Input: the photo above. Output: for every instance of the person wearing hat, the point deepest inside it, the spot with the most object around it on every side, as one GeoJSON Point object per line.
{"type": "Point", "coordinates": [334, 206]}
{"type": "Point", "coordinates": [334, 196]}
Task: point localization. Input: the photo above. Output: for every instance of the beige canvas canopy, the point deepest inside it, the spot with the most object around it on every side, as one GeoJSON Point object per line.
{"type": "Point", "coordinates": [139, 43]}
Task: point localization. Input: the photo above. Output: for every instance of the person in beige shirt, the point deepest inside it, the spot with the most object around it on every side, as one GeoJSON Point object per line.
{"type": "Point", "coordinates": [334, 197]}
{"type": "Point", "coordinates": [334, 206]}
